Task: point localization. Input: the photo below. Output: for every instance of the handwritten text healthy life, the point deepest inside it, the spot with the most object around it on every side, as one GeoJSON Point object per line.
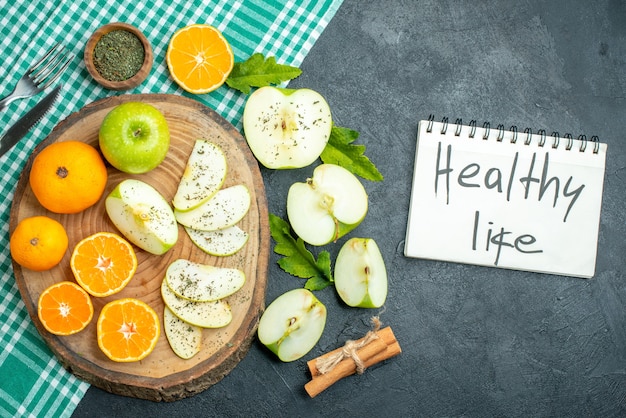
{"type": "Point", "coordinates": [537, 184]}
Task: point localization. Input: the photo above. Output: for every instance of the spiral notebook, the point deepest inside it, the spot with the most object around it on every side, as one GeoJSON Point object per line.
{"type": "Point", "coordinates": [502, 198]}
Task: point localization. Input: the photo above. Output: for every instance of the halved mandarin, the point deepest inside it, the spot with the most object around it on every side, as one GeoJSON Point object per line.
{"type": "Point", "coordinates": [199, 58]}
{"type": "Point", "coordinates": [128, 330]}
{"type": "Point", "coordinates": [103, 263]}
{"type": "Point", "coordinates": [64, 308]}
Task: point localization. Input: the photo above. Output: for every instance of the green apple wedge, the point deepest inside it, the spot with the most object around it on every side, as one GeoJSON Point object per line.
{"type": "Point", "coordinates": [202, 282]}
{"type": "Point", "coordinates": [226, 208]}
{"type": "Point", "coordinates": [184, 339]}
{"type": "Point", "coordinates": [222, 242]}
{"type": "Point", "coordinates": [286, 128]}
{"type": "Point", "coordinates": [143, 216]}
{"type": "Point", "coordinates": [204, 175]}
{"type": "Point", "coordinates": [327, 206]}
{"type": "Point", "coordinates": [360, 274]}
{"type": "Point", "coordinates": [134, 137]}
{"type": "Point", "coordinates": [292, 324]}
{"type": "Point", "coordinates": [215, 314]}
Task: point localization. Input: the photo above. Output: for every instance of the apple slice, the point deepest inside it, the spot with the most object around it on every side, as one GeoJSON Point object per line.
{"type": "Point", "coordinates": [292, 324]}
{"type": "Point", "coordinates": [216, 314]}
{"type": "Point", "coordinates": [202, 282]}
{"type": "Point", "coordinates": [227, 207]}
{"type": "Point", "coordinates": [204, 175]}
{"type": "Point", "coordinates": [286, 128]}
{"type": "Point", "coordinates": [360, 274]}
{"type": "Point", "coordinates": [221, 243]}
{"type": "Point", "coordinates": [143, 216]}
{"type": "Point", "coordinates": [329, 205]}
{"type": "Point", "coordinates": [184, 338]}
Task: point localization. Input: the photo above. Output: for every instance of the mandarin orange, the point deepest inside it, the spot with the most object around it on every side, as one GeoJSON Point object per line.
{"type": "Point", "coordinates": [103, 263]}
{"type": "Point", "coordinates": [38, 243]}
{"type": "Point", "coordinates": [199, 58]}
{"type": "Point", "coordinates": [68, 176]}
{"type": "Point", "coordinates": [128, 330]}
{"type": "Point", "coordinates": [64, 308]}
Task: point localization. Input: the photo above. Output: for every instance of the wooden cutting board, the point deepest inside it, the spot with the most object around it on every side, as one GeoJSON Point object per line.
{"type": "Point", "coordinates": [162, 376]}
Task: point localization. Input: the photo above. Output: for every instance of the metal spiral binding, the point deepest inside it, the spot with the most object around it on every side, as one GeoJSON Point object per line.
{"type": "Point", "coordinates": [556, 137]}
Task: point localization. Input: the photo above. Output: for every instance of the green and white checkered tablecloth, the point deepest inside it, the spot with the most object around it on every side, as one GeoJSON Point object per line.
{"type": "Point", "coordinates": [32, 382]}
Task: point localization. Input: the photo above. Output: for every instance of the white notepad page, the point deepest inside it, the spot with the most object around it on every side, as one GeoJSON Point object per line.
{"type": "Point", "coordinates": [506, 199]}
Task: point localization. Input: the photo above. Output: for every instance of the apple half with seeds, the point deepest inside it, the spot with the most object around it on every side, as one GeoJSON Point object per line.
{"type": "Point", "coordinates": [202, 282]}
{"type": "Point", "coordinates": [360, 274]}
{"type": "Point", "coordinates": [226, 208]}
{"type": "Point", "coordinates": [143, 216]}
{"type": "Point", "coordinates": [292, 324]}
{"type": "Point", "coordinates": [286, 128]}
{"type": "Point", "coordinates": [327, 206]}
{"type": "Point", "coordinates": [204, 175]}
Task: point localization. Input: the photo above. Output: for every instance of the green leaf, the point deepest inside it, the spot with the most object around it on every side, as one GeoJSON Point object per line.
{"type": "Point", "coordinates": [257, 71]}
{"type": "Point", "coordinates": [340, 150]}
{"type": "Point", "coordinates": [316, 283]}
{"type": "Point", "coordinates": [297, 260]}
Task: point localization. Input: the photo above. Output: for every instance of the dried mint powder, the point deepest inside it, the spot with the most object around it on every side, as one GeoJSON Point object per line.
{"type": "Point", "coordinates": [118, 55]}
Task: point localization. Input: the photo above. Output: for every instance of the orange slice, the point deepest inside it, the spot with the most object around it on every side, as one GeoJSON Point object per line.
{"type": "Point", "coordinates": [64, 308]}
{"type": "Point", "coordinates": [103, 263]}
{"type": "Point", "coordinates": [199, 58]}
{"type": "Point", "coordinates": [128, 330]}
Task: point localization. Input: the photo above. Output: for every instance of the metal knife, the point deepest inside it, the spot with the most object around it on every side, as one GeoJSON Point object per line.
{"type": "Point", "coordinates": [26, 122]}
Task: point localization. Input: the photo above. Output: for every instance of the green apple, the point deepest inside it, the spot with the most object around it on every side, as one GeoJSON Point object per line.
{"type": "Point", "coordinates": [221, 242]}
{"type": "Point", "coordinates": [215, 314]}
{"type": "Point", "coordinates": [360, 274]}
{"type": "Point", "coordinates": [142, 215]}
{"type": "Point", "coordinates": [134, 137]}
{"type": "Point", "coordinates": [327, 206]}
{"type": "Point", "coordinates": [202, 282]}
{"type": "Point", "coordinates": [286, 128]}
{"type": "Point", "coordinates": [227, 207]}
{"type": "Point", "coordinates": [184, 338]}
{"type": "Point", "coordinates": [292, 324]}
{"type": "Point", "coordinates": [204, 175]}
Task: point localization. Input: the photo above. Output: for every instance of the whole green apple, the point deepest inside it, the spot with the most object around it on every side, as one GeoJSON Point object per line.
{"type": "Point", "coordinates": [134, 137]}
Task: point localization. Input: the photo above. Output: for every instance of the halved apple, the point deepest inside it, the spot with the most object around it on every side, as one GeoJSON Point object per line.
{"type": "Point", "coordinates": [184, 338]}
{"type": "Point", "coordinates": [227, 207]}
{"type": "Point", "coordinates": [327, 206]}
{"type": "Point", "coordinates": [142, 215]}
{"type": "Point", "coordinates": [216, 314]}
{"type": "Point", "coordinates": [360, 274]}
{"type": "Point", "coordinates": [202, 282]}
{"type": "Point", "coordinates": [286, 128]}
{"type": "Point", "coordinates": [222, 242]}
{"type": "Point", "coordinates": [204, 175]}
{"type": "Point", "coordinates": [292, 324]}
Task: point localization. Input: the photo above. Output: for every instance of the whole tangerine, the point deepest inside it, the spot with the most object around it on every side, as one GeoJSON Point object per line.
{"type": "Point", "coordinates": [68, 176]}
{"type": "Point", "coordinates": [38, 243]}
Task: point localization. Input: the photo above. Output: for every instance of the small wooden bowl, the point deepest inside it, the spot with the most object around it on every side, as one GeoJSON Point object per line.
{"type": "Point", "coordinates": [135, 80]}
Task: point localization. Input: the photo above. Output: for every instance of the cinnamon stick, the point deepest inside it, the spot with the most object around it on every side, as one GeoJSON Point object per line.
{"type": "Point", "coordinates": [344, 368]}
{"type": "Point", "coordinates": [385, 334]}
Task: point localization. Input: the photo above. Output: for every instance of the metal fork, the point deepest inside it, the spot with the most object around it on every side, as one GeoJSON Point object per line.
{"type": "Point", "coordinates": [40, 75]}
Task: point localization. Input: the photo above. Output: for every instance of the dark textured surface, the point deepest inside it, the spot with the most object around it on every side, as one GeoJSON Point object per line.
{"type": "Point", "coordinates": [476, 341]}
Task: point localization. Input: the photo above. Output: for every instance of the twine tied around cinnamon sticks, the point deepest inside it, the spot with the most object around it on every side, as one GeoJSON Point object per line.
{"type": "Point", "coordinates": [354, 357]}
{"type": "Point", "coordinates": [349, 350]}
